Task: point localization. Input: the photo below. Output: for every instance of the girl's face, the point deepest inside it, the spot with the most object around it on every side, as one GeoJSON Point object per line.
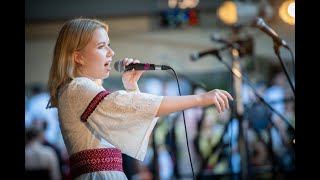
{"type": "Point", "coordinates": [95, 58]}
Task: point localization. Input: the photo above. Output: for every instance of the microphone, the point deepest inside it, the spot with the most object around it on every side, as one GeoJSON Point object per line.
{"type": "Point", "coordinates": [259, 23]}
{"type": "Point", "coordinates": [196, 56]}
{"type": "Point", "coordinates": [118, 66]}
{"type": "Point", "coordinates": [244, 45]}
{"type": "Point", "coordinates": [218, 39]}
{"type": "Point", "coordinates": [235, 44]}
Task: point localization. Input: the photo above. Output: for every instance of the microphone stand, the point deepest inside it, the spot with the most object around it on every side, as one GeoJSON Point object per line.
{"type": "Point", "coordinates": [236, 72]}
{"type": "Point", "coordinates": [238, 113]}
{"type": "Point", "coordinates": [276, 44]}
{"type": "Point", "coordinates": [235, 46]}
{"type": "Point", "coordinates": [276, 47]}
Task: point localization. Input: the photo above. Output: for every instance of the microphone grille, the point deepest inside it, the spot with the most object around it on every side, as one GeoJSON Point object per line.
{"type": "Point", "coordinates": [118, 66]}
{"type": "Point", "coordinates": [194, 56]}
{"type": "Point", "coordinates": [258, 22]}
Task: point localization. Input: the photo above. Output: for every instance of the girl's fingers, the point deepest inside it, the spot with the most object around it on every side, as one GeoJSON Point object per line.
{"type": "Point", "coordinates": [216, 102]}
{"type": "Point", "coordinates": [227, 94]}
{"type": "Point", "coordinates": [225, 99]}
{"type": "Point", "coordinates": [221, 102]}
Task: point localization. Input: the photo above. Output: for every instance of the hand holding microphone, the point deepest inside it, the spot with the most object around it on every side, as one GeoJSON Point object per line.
{"type": "Point", "coordinates": [129, 78]}
{"type": "Point", "coordinates": [132, 70]}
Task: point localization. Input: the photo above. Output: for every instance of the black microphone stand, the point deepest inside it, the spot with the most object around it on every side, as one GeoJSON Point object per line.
{"type": "Point", "coordinates": [234, 45]}
{"type": "Point", "coordinates": [276, 47]}
{"type": "Point", "coordinates": [235, 72]}
{"type": "Point", "coordinates": [243, 149]}
{"type": "Point", "coordinates": [255, 92]}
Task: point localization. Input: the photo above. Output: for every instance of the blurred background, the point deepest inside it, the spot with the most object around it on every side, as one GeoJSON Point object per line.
{"type": "Point", "coordinates": [245, 47]}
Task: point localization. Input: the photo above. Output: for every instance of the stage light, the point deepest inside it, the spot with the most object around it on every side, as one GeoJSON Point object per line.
{"type": "Point", "coordinates": [227, 12]}
{"type": "Point", "coordinates": [287, 12]}
{"type": "Point", "coordinates": [236, 12]}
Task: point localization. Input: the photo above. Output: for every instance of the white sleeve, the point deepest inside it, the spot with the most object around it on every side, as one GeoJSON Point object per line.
{"type": "Point", "coordinates": [126, 120]}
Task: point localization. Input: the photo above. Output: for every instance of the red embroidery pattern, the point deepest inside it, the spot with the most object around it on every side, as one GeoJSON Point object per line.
{"type": "Point", "coordinates": [92, 160]}
{"type": "Point", "coordinates": [93, 104]}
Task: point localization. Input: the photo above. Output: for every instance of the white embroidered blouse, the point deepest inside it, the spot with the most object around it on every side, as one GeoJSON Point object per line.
{"type": "Point", "coordinates": [121, 119]}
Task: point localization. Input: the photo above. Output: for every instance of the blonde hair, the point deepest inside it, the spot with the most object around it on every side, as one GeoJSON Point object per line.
{"type": "Point", "coordinates": [74, 35]}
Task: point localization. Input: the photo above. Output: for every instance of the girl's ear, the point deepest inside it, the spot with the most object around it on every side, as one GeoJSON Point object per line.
{"type": "Point", "coordinates": [78, 58]}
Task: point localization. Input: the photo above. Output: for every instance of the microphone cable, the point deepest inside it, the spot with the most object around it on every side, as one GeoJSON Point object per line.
{"type": "Point", "coordinates": [184, 122]}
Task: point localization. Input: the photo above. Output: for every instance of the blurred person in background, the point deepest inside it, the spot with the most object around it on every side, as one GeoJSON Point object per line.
{"type": "Point", "coordinates": [97, 124]}
{"type": "Point", "coordinates": [38, 115]}
{"type": "Point", "coordinates": [40, 158]}
{"type": "Point", "coordinates": [36, 111]}
{"type": "Point", "coordinates": [277, 95]}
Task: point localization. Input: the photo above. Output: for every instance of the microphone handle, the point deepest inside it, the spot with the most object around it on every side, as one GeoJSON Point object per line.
{"type": "Point", "coordinates": [142, 66]}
